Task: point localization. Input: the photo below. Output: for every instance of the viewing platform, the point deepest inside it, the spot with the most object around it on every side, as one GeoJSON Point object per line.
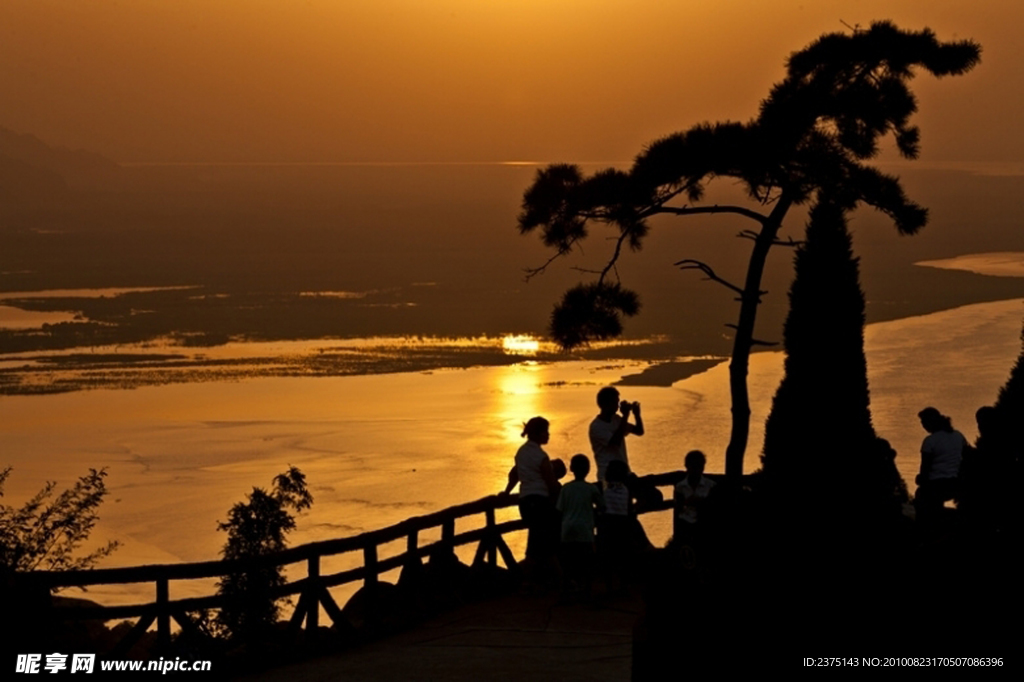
{"type": "Point", "coordinates": [442, 615]}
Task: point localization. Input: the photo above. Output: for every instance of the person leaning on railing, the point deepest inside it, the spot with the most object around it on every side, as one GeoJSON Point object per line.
{"type": "Point", "coordinates": [538, 490]}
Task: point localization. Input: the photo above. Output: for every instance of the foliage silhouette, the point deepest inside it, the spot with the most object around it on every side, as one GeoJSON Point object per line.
{"type": "Point", "coordinates": [1010, 404]}
{"type": "Point", "coordinates": [841, 94]}
{"type": "Point", "coordinates": [819, 431]}
{"type": "Point", "coordinates": [46, 535]}
{"type": "Point", "coordinates": [257, 528]}
{"type": "Point", "coordinates": [823, 400]}
{"type": "Point", "coordinates": [1011, 395]}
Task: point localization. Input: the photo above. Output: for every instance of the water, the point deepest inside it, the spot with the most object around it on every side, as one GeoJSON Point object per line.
{"type": "Point", "coordinates": [379, 448]}
{"type": "Point", "coordinates": [238, 286]}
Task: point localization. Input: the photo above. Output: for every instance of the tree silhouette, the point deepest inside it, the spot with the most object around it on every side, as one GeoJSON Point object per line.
{"type": "Point", "coordinates": [823, 396]}
{"type": "Point", "coordinates": [840, 96]}
{"type": "Point", "coordinates": [257, 528]}
{"type": "Point", "coordinates": [45, 535]}
{"type": "Point", "coordinates": [1010, 403]}
{"type": "Point", "coordinates": [819, 432]}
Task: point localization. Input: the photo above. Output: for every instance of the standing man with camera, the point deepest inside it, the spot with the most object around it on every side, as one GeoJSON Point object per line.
{"type": "Point", "coordinates": [608, 431]}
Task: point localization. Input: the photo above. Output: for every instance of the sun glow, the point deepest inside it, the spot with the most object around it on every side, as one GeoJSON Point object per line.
{"type": "Point", "coordinates": [522, 344]}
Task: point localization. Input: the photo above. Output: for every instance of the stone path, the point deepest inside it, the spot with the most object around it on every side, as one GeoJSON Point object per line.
{"type": "Point", "coordinates": [520, 639]}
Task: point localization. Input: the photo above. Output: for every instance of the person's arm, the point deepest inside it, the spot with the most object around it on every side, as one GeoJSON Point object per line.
{"type": "Point", "coordinates": [637, 429]}
{"type": "Point", "coordinates": [598, 499]}
{"type": "Point", "coordinates": [624, 426]}
{"type": "Point", "coordinates": [513, 480]}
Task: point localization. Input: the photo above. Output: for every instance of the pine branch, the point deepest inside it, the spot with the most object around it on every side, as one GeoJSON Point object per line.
{"type": "Point", "coordinates": [709, 274]}
{"type": "Point", "coordinates": [533, 272]}
{"type": "Point", "coordinates": [697, 210]}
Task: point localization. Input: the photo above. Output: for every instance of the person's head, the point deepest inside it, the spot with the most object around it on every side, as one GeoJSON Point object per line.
{"type": "Point", "coordinates": [988, 420]}
{"type": "Point", "coordinates": [695, 461]}
{"type": "Point", "coordinates": [608, 399]}
{"type": "Point", "coordinates": [580, 466]}
{"type": "Point", "coordinates": [536, 430]}
{"type": "Point", "coordinates": [933, 421]}
{"type": "Point", "coordinates": [617, 471]}
{"type": "Point", "coordinates": [558, 469]}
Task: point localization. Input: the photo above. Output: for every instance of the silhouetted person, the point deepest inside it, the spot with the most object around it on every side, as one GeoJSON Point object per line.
{"type": "Point", "coordinates": [537, 486]}
{"type": "Point", "coordinates": [615, 533]}
{"type": "Point", "coordinates": [557, 467]}
{"type": "Point", "coordinates": [608, 431]}
{"type": "Point", "coordinates": [689, 497]}
{"type": "Point", "coordinates": [987, 474]}
{"type": "Point", "coordinates": [941, 454]}
{"type": "Point", "coordinates": [577, 503]}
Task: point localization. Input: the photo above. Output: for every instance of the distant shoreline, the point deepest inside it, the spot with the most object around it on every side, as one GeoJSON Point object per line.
{"type": "Point", "coordinates": [132, 362]}
{"type": "Point", "coordinates": [148, 364]}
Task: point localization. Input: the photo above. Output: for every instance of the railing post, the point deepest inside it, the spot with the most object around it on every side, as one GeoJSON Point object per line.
{"type": "Point", "coordinates": [448, 535]}
{"type": "Point", "coordinates": [413, 543]}
{"type": "Point", "coordinates": [370, 562]}
{"type": "Point", "coordinates": [163, 613]}
{"type": "Point", "coordinates": [492, 545]}
{"type": "Point", "coordinates": [313, 617]}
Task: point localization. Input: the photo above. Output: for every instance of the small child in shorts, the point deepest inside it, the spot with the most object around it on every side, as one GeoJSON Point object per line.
{"type": "Point", "coordinates": [577, 503]}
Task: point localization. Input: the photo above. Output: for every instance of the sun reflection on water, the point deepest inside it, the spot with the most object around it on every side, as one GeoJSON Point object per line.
{"type": "Point", "coordinates": [519, 390]}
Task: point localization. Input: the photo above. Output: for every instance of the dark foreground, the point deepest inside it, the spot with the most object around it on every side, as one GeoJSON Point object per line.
{"type": "Point", "coordinates": [757, 592]}
{"type": "Point", "coordinates": [951, 600]}
{"type": "Point", "coordinates": [508, 638]}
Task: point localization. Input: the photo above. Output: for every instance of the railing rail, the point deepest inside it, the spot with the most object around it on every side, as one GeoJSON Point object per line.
{"type": "Point", "coordinates": [314, 588]}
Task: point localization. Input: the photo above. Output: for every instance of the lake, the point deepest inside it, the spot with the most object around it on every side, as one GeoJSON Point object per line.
{"type": "Point", "coordinates": [379, 448]}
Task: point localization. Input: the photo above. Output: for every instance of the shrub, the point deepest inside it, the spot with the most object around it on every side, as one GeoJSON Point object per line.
{"type": "Point", "coordinates": [257, 528]}
{"type": "Point", "coordinates": [45, 535]}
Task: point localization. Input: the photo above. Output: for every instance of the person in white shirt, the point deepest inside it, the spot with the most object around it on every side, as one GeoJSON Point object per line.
{"type": "Point", "coordinates": [537, 486]}
{"type": "Point", "coordinates": [608, 431]}
{"type": "Point", "coordinates": [941, 454]}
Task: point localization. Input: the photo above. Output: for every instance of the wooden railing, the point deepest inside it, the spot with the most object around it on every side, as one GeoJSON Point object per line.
{"type": "Point", "coordinates": [313, 590]}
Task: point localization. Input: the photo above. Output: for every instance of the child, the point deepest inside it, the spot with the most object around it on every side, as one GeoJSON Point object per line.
{"type": "Point", "coordinates": [689, 497]}
{"type": "Point", "coordinates": [615, 531]}
{"type": "Point", "coordinates": [577, 502]}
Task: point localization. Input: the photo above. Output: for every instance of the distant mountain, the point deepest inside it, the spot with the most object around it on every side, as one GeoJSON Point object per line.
{"type": "Point", "coordinates": [77, 169]}
{"type": "Point", "coordinates": [24, 186]}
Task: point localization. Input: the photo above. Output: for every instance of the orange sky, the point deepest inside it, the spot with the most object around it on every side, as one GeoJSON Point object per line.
{"type": "Point", "coordinates": [454, 80]}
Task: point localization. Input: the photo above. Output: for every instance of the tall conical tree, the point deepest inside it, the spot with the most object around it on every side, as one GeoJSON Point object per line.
{"type": "Point", "coordinates": [1011, 395]}
{"type": "Point", "coordinates": [1010, 403]}
{"type": "Point", "coordinates": [819, 432]}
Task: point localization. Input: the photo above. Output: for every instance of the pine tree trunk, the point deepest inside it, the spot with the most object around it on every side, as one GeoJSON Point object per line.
{"type": "Point", "coordinates": [742, 344]}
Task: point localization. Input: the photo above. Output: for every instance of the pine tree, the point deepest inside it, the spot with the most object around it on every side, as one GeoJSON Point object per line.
{"type": "Point", "coordinates": [816, 129]}
{"type": "Point", "coordinates": [1010, 404]}
{"type": "Point", "coordinates": [1011, 395]}
{"type": "Point", "coordinates": [819, 432]}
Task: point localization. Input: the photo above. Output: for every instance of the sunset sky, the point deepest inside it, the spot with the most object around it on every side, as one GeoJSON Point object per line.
{"type": "Point", "coordinates": [311, 257]}
{"type": "Point", "coordinates": [455, 80]}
